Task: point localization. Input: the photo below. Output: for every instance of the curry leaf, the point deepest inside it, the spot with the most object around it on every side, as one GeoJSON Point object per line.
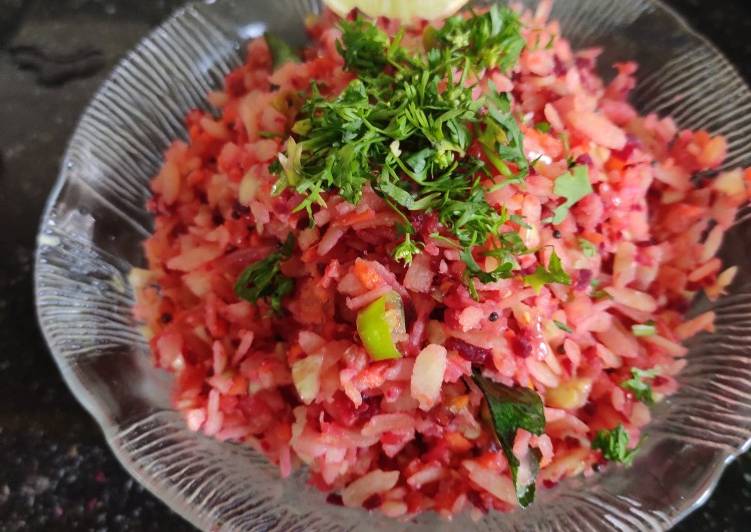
{"type": "Point", "coordinates": [263, 279]}
{"type": "Point", "coordinates": [512, 409]}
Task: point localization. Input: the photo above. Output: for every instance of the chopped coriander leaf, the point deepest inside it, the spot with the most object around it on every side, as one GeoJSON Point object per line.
{"type": "Point", "coordinates": [644, 329]}
{"type": "Point", "coordinates": [363, 46]}
{"type": "Point", "coordinates": [503, 271]}
{"type": "Point", "coordinates": [502, 140]}
{"type": "Point", "coordinates": [519, 220]}
{"type": "Point", "coordinates": [512, 409]}
{"type": "Point", "coordinates": [543, 127]}
{"type": "Point", "coordinates": [509, 246]}
{"type": "Point", "coordinates": [573, 186]}
{"type": "Point", "coordinates": [405, 251]}
{"type": "Point", "coordinates": [588, 248]}
{"type": "Point", "coordinates": [553, 274]}
{"type": "Point", "coordinates": [511, 243]}
{"type": "Point", "coordinates": [566, 141]}
{"type": "Point", "coordinates": [490, 40]}
{"type": "Point", "coordinates": [601, 294]}
{"type": "Point", "coordinates": [405, 126]}
{"type": "Point", "coordinates": [641, 390]}
{"type": "Point", "coordinates": [563, 326]}
{"type": "Point", "coordinates": [614, 445]}
{"type": "Point", "coordinates": [281, 52]}
{"type": "Point", "coordinates": [263, 279]}
{"type": "Point", "coordinates": [445, 241]}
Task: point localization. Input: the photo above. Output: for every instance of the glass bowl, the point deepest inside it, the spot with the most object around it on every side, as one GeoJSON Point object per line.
{"type": "Point", "coordinates": [95, 221]}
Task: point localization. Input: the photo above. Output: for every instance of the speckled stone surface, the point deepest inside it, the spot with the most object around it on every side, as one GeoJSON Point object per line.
{"type": "Point", "coordinates": [56, 471]}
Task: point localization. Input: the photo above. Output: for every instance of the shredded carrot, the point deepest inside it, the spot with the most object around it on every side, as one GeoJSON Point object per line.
{"type": "Point", "coordinates": [459, 402]}
{"type": "Point", "coordinates": [615, 164]}
{"type": "Point", "coordinates": [354, 218]}
{"type": "Point", "coordinates": [310, 254]}
{"type": "Point", "coordinates": [458, 443]}
{"type": "Point", "coordinates": [595, 238]}
{"type": "Point", "coordinates": [239, 386]}
{"type": "Point", "coordinates": [367, 275]}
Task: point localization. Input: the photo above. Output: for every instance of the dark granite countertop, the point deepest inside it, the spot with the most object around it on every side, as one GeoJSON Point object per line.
{"type": "Point", "coordinates": [56, 471]}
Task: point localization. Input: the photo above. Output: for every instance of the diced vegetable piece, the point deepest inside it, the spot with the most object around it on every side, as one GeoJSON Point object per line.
{"type": "Point", "coordinates": [644, 329]}
{"type": "Point", "coordinates": [306, 376]}
{"type": "Point", "coordinates": [569, 395]}
{"type": "Point", "coordinates": [427, 375]}
{"type": "Point", "coordinates": [248, 189]}
{"type": "Point", "coordinates": [380, 325]}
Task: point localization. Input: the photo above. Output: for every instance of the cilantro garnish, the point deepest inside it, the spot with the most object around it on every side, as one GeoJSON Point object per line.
{"type": "Point", "coordinates": [263, 279]}
{"type": "Point", "coordinates": [281, 52]}
{"type": "Point", "coordinates": [512, 409]}
{"type": "Point", "coordinates": [601, 294]}
{"type": "Point", "coordinates": [563, 326]}
{"type": "Point", "coordinates": [406, 250]}
{"type": "Point", "coordinates": [573, 186]}
{"type": "Point", "coordinates": [641, 390]}
{"type": "Point", "coordinates": [614, 445]}
{"type": "Point", "coordinates": [588, 248]}
{"type": "Point", "coordinates": [553, 274]}
{"type": "Point", "coordinates": [489, 40]}
{"type": "Point", "coordinates": [364, 47]}
{"type": "Point", "coordinates": [405, 126]}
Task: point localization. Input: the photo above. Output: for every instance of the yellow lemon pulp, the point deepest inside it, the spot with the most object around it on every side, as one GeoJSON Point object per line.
{"type": "Point", "coordinates": [405, 10]}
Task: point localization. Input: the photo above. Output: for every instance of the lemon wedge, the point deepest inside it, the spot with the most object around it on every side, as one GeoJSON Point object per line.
{"type": "Point", "coordinates": [405, 10]}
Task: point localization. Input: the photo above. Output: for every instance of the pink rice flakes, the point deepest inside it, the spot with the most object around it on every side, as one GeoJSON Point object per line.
{"type": "Point", "coordinates": [407, 435]}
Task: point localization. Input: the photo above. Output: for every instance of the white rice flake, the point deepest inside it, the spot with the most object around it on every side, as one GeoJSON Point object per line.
{"type": "Point", "coordinates": [500, 486]}
{"type": "Point", "coordinates": [427, 375]}
{"type": "Point", "coordinates": [377, 481]}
